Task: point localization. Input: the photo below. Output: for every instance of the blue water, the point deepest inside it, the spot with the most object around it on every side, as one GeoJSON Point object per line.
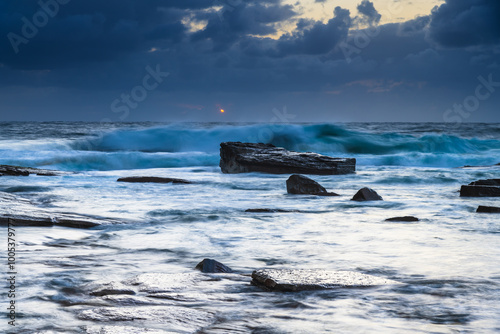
{"type": "Point", "coordinates": [447, 262]}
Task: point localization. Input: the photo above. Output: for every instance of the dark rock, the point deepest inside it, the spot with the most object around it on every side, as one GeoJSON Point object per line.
{"type": "Point", "coordinates": [152, 179]}
{"type": "Point", "coordinates": [402, 219]}
{"type": "Point", "coordinates": [112, 289]}
{"type": "Point", "coordinates": [212, 266]}
{"type": "Point", "coordinates": [488, 209]}
{"type": "Point", "coordinates": [269, 210]}
{"type": "Point", "coordinates": [298, 280]}
{"type": "Point", "coordinates": [25, 171]}
{"type": "Point", "coordinates": [479, 191]}
{"type": "Point", "coordinates": [237, 157]}
{"type": "Point", "coordinates": [488, 182]}
{"type": "Point", "coordinates": [300, 184]}
{"type": "Point", "coordinates": [21, 212]}
{"type": "Point", "coordinates": [367, 194]}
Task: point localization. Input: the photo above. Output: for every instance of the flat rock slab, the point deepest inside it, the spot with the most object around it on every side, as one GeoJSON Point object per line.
{"type": "Point", "coordinates": [488, 209]}
{"type": "Point", "coordinates": [402, 219]}
{"type": "Point", "coordinates": [174, 318]}
{"type": "Point", "coordinates": [21, 212]}
{"type": "Point", "coordinates": [123, 330]}
{"type": "Point", "coordinates": [265, 210]}
{"type": "Point", "coordinates": [152, 179]}
{"type": "Point", "coordinates": [479, 191]}
{"type": "Point", "coordinates": [26, 171]}
{"type": "Point", "coordinates": [237, 157]}
{"type": "Point", "coordinates": [299, 280]}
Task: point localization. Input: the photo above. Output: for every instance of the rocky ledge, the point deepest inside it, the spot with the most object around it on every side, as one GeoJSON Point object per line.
{"type": "Point", "coordinates": [21, 212]}
{"type": "Point", "coordinates": [306, 279]}
{"type": "Point", "coordinates": [237, 157]}
{"type": "Point", "coordinates": [152, 179]}
{"type": "Point", "coordinates": [7, 170]}
{"type": "Point", "coordinates": [481, 188]}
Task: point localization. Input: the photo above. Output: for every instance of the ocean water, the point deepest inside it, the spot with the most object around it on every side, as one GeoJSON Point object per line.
{"type": "Point", "coordinates": [448, 262]}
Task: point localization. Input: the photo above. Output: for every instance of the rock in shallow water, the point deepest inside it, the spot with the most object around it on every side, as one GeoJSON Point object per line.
{"type": "Point", "coordinates": [481, 188]}
{"type": "Point", "coordinates": [300, 184]}
{"type": "Point", "coordinates": [267, 210]}
{"type": "Point", "coordinates": [26, 171]}
{"type": "Point", "coordinates": [402, 219]}
{"type": "Point", "coordinates": [298, 280]}
{"type": "Point", "coordinates": [152, 179]}
{"type": "Point", "coordinates": [488, 209]}
{"type": "Point", "coordinates": [237, 157]}
{"type": "Point", "coordinates": [212, 266]}
{"type": "Point", "coordinates": [367, 194]}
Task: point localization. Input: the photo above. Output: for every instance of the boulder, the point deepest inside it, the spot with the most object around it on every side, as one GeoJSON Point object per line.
{"type": "Point", "coordinates": [237, 157]}
{"type": "Point", "coordinates": [488, 209]}
{"type": "Point", "coordinates": [152, 179]}
{"type": "Point", "coordinates": [212, 266]}
{"type": "Point", "coordinates": [305, 279]}
{"type": "Point", "coordinates": [26, 171]}
{"type": "Point", "coordinates": [300, 184]}
{"type": "Point", "coordinates": [402, 219]}
{"type": "Point", "coordinates": [367, 194]}
{"type": "Point", "coordinates": [479, 191]}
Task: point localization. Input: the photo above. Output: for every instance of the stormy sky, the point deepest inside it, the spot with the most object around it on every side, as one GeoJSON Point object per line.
{"type": "Point", "coordinates": [262, 60]}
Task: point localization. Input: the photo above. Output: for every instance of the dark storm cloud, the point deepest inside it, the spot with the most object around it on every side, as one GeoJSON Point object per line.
{"type": "Point", "coordinates": [368, 12]}
{"type": "Point", "coordinates": [463, 23]}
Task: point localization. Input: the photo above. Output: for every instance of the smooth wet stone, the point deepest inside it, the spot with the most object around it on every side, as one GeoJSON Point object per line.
{"type": "Point", "coordinates": [237, 157]}
{"type": "Point", "coordinates": [152, 179]}
{"type": "Point", "coordinates": [21, 212]}
{"type": "Point", "coordinates": [265, 210]}
{"type": "Point", "coordinates": [488, 209]}
{"type": "Point", "coordinates": [300, 184]}
{"type": "Point", "coordinates": [479, 191]}
{"type": "Point", "coordinates": [174, 318]}
{"type": "Point", "coordinates": [402, 219]}
{"type": "Point", "coordinates": [305, 279]}
{"type": "Point", "coordinates": [123, 330]}
{"type": "Point", "coordinates": [367, 194]}
{"type": "Point", "coordinates": [212, 266]}
{"type": "Point", "coordinates": [26, 171]}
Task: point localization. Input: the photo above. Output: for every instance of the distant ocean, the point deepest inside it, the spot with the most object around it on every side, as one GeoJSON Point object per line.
{"type": "Point", "coordinates": [448, 261]}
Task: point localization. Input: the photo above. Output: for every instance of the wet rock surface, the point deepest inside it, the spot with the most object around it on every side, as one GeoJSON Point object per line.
{"type": "Point", "coordinates": [305, 279]}
{"type": "Point", "coordinates": [488, 209]}
{"type": "Point", "coordinates": [481, 188]}
{"type": "Point", "coordinates": [266, 210]}
{"type": "Point", "coordinates": [152, 179]}
{"type": "Point", "coordinates": [8, 170]}
{"type": "Point", "coordinates": [21, 212]}
{"type": "Point", "coordinates": [212, 266]}
{"type": "Point", "coordinates": [402, 219]}
{"type": "Point", "coordinates": [237, 157]}
{"type": "Point", "coordinates": [367, 194]}
{"type": "Point", "coordinates": [300, 184]}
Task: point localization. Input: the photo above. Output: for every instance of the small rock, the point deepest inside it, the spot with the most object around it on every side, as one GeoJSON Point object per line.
{"type": "Point", "coordinates": [112, 289]}
{"type": "Point", "coordinates": [152, 179]}
{"type": "Point", "coordinates": [299, 280]}
{"type": "Point", "coordinates": [212, 266]}
{"type": "Point", "coordinates": [402, 219]}
{"type": "Point", "coordinates": [367, 194]}
{"type": "Point", "coordinates": [488, 209]}
{"type": "Point", "coordinates": [300, 184]}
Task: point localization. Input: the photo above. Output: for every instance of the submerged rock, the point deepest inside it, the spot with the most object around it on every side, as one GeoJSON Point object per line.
{"type": "Point", "coordinates": [237, 157]}
{"type": "Point", "coordinates": [300, 184]}
{"type": "Point", "coordinates": [402, 219]}
{"type": "Point", "coordinates": [21, 212]}
{"type": "Point", "coordinates": [481, 188]}
{"type": "Point", "coordinates": [212, 266]}
{"type": "Point", "coordinates": [112, 288]}
{"type": "Point", "coordinates": [152, 179]}
{"type": "Point", "coordinates": [367, 194]}
{"type": "Point", "coordinates": [298, 280]}
{"type": "Point", "coordinates": [488, 209]}
{"type": "Point", "coordinates": [265, 210]}
{"type": "Point", "coordinates": [26, 171]}
{"type": "Point", "coordinates": [123, 330]}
